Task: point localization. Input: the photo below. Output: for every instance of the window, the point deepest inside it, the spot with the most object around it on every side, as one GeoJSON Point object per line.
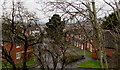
{"type": "Point", "coordinates": [82, 47]}
{"type": "Point", "coordinates": [1, 44]}
{"type": "Point", "coordinates": [67, 35]}
{"type": "Point", "coordinates": [72, 35]}
{"type": "Point", "coordinates": [17, 46]}
{"type": "Point", "coordinates": [90, 48]}
{"type": "Point", "coordinates": [18, 55]}
{"type": "Point", "coordinates": [67, 39]}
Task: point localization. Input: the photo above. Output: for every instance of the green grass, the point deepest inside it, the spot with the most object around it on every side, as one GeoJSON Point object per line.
{"type": "Point", "coordinates": [19, 64]}
{"type": "Point", "coordinates": [31, 62]}
{"type": "Point", "coordinates": [89, 64]}
{"type": "Point", "coordinates": [6, 65]}
{"type": "Point", "coordinates": [87, 53]}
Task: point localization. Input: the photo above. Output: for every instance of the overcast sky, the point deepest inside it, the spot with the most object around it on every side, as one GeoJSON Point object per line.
{"type": "Point", "coordinates": [32, 6]}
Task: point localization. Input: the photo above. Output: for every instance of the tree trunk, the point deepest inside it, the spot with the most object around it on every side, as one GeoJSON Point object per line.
{"type": "Point", "coordinates": [99, 37]}
{"type": "Point", "coordinates": [14, 67]}
{"type": "Point", "coordinates": [24, 57]}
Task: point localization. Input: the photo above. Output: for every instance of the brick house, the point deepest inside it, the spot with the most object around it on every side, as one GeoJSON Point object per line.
{"type": "Point", "coordinates": [16, 48]}
{"type": "Point", "coordinates": [78, 39]}
{"type": "Point", "coordinates": [109, 44]}
{"type": "Point", "coordinates": [17, 51]}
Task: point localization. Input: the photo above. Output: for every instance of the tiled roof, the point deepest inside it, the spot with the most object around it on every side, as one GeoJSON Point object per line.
{"type": "Point", "coordinates": [109, 39]}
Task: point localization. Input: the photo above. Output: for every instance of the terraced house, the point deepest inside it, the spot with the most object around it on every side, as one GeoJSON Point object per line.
{"type": "Point", "coordinates": [78, 38]}
{"type": "Point", "coordinates": [15, 50]}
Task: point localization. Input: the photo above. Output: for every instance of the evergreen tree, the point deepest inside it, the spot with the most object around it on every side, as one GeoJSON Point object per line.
{"type": "Point", "coordinates": [55, 34]}
{"type": "Point", "coordinates": [111, 22]}
{"type": "Point", "coordinates": [55, 28]}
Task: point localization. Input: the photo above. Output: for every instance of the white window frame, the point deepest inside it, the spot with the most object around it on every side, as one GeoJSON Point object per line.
{"type": "Point", "coordinates": [88, 45]}
{"type": "Point", "coordinates": [1, 44]}
{"type": "Point", "coordinates": [17, 46]}
{"type": "Point", "coordinates": [82, 46]}
{"type": "Point", "coordinates": [18, 55]}
{"type": "Point", "coordinates": [91, 48]}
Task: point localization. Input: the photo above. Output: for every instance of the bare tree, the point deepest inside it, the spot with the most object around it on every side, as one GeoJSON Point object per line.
{"type": "Point", "coordinates": [52, 46]}
{"type": "Point", "coordinates": [17, 25]}
{"type": "Point", "coordinates": [115, 5]}
{"type": "Point", "coordinates": [85, 10]}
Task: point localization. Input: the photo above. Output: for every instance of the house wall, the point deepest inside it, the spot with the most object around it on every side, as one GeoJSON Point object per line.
{"type": "Point", "coordinates": [109, 52]}
{"type": "Point", "coordinates": [16, 50]}
{"type": "Point", "coordinates": [94, 55]}
{"type": "Point", "coordinates": [88, 46]}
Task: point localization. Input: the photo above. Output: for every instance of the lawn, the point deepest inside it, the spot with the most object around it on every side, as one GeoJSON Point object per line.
{"type": "Point", "coordinates": [89, 64]}
{"type": "Point", "coordinates": [6, 64]}
{"type": "Point", "coordinates": [19, 64]}
{"type": "Point", "coordinates": [87, 53]}
{"type": "Point", "coordinates": [31, 62]}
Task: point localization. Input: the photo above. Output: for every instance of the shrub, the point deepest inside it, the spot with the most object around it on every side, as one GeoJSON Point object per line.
{"type": "Point", "coordinates": [69, 58]}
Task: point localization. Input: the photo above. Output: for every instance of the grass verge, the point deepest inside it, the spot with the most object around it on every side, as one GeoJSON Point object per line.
{"type": "Point", "coordinates": [89, 64]}
{"type": "Point", "coordinates": [19, 64]}
{"type": "Point", "coordinates": [87, 53]}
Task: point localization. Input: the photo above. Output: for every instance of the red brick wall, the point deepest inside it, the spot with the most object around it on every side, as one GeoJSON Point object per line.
{"type": "Point", "coordinates": [94, 55]}
{"type": "Point", "coordinates": [16, 50]}
{"type": "Point", "coordinates": [109, 52]}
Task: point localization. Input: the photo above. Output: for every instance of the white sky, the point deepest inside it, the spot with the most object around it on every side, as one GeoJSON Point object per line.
{"type": "Point", "coordinates": [31, 5]}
